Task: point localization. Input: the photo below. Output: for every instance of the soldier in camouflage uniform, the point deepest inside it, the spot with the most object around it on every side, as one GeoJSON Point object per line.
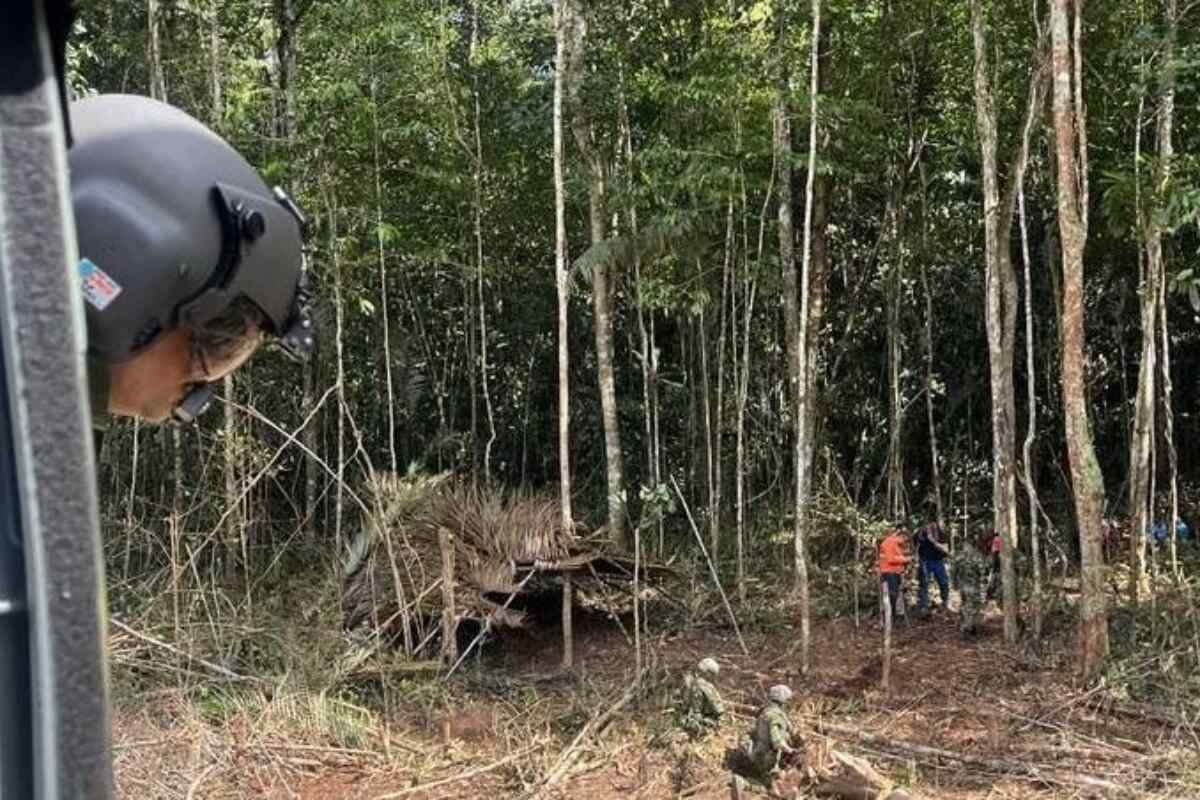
{"type": "Point", "coordinates": [771, 739]}
{"type": "Point", "coordinates": [700, 707]}
{"type": "Point", "coordinates": [970, 572]}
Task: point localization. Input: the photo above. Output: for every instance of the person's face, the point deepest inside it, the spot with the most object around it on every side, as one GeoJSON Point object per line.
{"type": "Point", "coordinates": [151, 384]}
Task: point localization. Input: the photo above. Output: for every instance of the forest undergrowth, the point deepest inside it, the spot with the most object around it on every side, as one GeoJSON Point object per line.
{"type": "Point", "coordinates": [218, 696]}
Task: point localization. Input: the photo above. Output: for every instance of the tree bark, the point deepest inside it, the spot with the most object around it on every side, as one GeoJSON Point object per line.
{"type": "Point", "coordinates": [727, 290]}
{"type": "Point", "coordinates": [477, 206]}
{"type": "Point", "coordinates": [562, 281]}
{"type": "Point", "coordinates": [896, 498]}
{"type": "Point", "coordinates": [751, 291]}
{"type": "Point", "coordinates": [934, 458]}
{"type": "Point", "coordinates": [1070, 138]}
{"type": "Point", "coordinates": [158, 83]}
{"type": "Point", "coordinates": [576, 27]}
{"type": "Point", "coordinates": [339, 345]}
{"type": "Point", "coordinates": [568, 628]}
{"type": "Point", "coordinates": [804, 368]}
{"type": "Point", "coordinates": [1031, 426]}
{"type": "Point", "coordinates": [787, 259]}
{"type": "Point", "coordinates": [449, 614]}
{"type": "Point", "coordinates": [285, 50]}
{"type": "Point", "coordinates": [818, 248]}
{"type": "Point", "coordinates": [1001, 299]}
{"type": "Point", "coordinates": [706, 412]}
{"type": "Point", "coordinates": [1141, 494]}
{"type": "Point", "coordinates": [1154, 251]}
{"type": "Point", "coordinates": [385, 313]}
{"type": "Point", "coordinates": [228, 422]}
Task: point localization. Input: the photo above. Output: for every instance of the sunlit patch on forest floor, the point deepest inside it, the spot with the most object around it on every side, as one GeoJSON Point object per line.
{"type": "Point", "coordinates": [963, 720]}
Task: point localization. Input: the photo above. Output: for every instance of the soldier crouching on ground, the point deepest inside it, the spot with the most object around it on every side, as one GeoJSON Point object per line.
{"type": "Point", "coordinates": [700, 709]}
{"type": "Point", "coordinates": [970, 572]}
{"type": "Point", "coordinates": [768, 748]}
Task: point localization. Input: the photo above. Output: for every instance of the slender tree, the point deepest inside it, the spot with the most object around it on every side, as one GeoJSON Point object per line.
{"type": "Point", "coordinates": [1031, 426]}
{"type": "Point", "coordinates": [583, 130]}
{"type": "Point", "coordinates": [158, 81]}
{"type": "Point", "coordinates": [384, 303]}
{"type": "Point", "coordinates": [562, 279]}
{"type": "Point", "coordinates": [233, 525]}
{"type": "Point", "coordinates": [1001, 296]}
{"type": "Point", "coordinates": [1070, 138]}
{"type": "Point", "coordinates": [1155, 260]}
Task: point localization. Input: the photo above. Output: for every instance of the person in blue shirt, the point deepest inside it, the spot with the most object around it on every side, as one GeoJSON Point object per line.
{"type": "Point", "coordinates": [932, 553]}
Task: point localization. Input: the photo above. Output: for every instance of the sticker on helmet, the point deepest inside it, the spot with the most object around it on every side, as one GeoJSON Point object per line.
{"type": "Point", "coordinates": [99, 289]}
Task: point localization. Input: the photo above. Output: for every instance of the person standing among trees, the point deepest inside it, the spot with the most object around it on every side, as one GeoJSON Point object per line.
{"type": "Point", "coordinates": [893, 560]}
{"type": "Point", "coordinates": [970, 569]}
{"type": "Point", "coordinates": [931, 553]}
{"type": "Point", "coordinates": [995, 545]}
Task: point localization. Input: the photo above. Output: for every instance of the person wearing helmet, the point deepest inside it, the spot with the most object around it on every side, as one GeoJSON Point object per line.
{"type": "Point", "coordinates": [771, 738]}
{"type": "Point", "coordinates": [188, 261]}
{"type": "Point", "coordinates": [970, 571]}
{"type": "Point", "coordinates": [700, 707]}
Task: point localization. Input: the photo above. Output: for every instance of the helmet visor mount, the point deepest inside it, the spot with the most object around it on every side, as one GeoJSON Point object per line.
{"type": "Point", "coordinates": [257, 234]}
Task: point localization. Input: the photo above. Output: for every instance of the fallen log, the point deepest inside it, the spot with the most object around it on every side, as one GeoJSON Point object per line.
{"type": "Point", "coordinates": [1029, 771]}
{"type": "Point", "coordinates": [1146, 712]}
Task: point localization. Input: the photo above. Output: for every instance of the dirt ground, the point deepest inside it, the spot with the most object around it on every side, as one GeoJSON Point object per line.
{"type": "Point", "coordinates": [968, 720]}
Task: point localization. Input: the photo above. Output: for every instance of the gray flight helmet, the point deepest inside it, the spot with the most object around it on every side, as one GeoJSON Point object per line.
{"type": "Point", "coordinates": [173, 226]}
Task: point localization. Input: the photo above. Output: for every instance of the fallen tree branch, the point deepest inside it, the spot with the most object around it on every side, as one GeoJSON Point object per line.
{"type": "Point", "coordinates": [711, 568]}
{"type": "Point", "coordinates": [487, 624]}
{"type": "Point", "coordinates": [1146, 713]}
{"type": "Point", "coordinates": [462, 776]}
{"type": "Point", "coordinates": [593, 727]}
{"type": "Point", "coordinates": [1029, 771]}
{"type": "Point", "coordinates": [217, 668]}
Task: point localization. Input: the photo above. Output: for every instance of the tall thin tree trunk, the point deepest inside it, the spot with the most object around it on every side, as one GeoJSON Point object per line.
{"type": "Point", "coordinates": [339, 345]}
{"type": "Point", "coordinates": [158, 83]}
{"type": "Point", "coordinates": [384, 303]}
{"type": "Point", "coordinates": [714, 513]}
{"type": "Point", "coordinates": [1157, 264]}
{"type": "Point", "coordinates": [644, 343]}
{"type": "Point", "coordinates": [562, 280]}
{"type": "Point", "coordinates": [706, 410]}
{"type": "Point", "coordinates": [285, 50]}
{"type": "Point", "coordinates": [817, 224]}
{"type": "Point", "coordinates": [895, 357]}
{"type": "Point", "coordinates": [741, 377]}
{"type": "Point", "coordinates": [1071, 172]}
{"type": "Point", "coordinates": [130, 527]}
{"type": "Point", "coordinates": [934, 459]}
{"type": "Point", "coordinates": [1169, 417]}
{"type": "Point", "coordinates": [1031, 426]}
{"type": "Point", "coordinates": [228, 423]}
{"type": "Point", "coordinates": [158, 90]}
{"type": "Point", "coordinates": [787, 246]}
{"type": "Point", "coordinates": [1141, 493]}
{"type": "Point", "coordinates": [804, 418]}
{"type": "Point", "coordinates": [1001, 301]}
{"type": "Point", "coordinates": [477, 209]}
{"type": "Point", "coordinates": [469, 318]}
{"type": "Point", "coordinates": [576, 23]}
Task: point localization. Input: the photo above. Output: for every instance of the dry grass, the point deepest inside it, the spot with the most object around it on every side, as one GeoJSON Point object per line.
{"type": "Point", "coordinates": [516, 716]}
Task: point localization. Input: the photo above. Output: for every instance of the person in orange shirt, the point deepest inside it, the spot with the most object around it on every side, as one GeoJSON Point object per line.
{"type": "Point", "coordinates": [893, 559]}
